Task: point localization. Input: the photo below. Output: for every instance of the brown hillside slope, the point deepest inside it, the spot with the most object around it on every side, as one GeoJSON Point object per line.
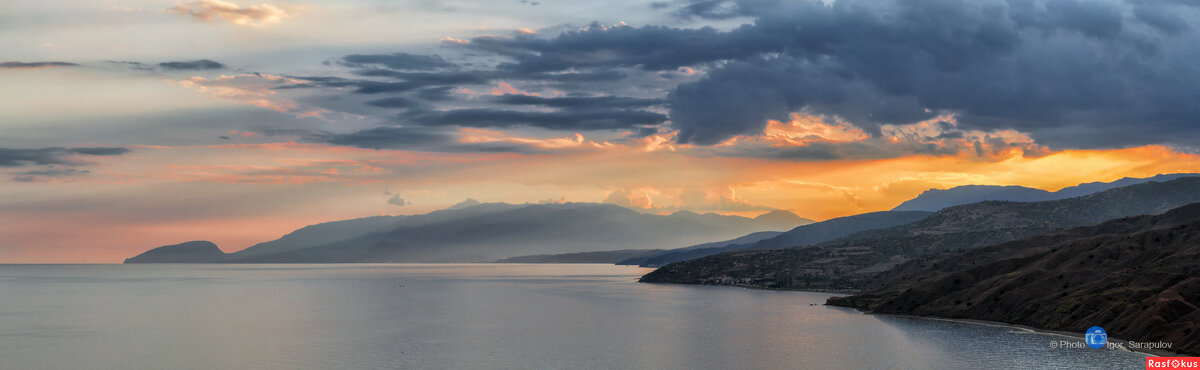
{"type": "Point", "coordinates": [1137, 277]}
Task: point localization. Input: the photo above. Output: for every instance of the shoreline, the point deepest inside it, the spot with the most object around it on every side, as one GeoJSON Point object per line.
{"type": "Point", "coordinates": [1072, 335]}
{"type": "Point", "coordinates": [972, 321]}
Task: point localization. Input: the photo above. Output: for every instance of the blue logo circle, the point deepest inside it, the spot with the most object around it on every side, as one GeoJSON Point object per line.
{"type": "Point", "coordinates": [1095, 337]}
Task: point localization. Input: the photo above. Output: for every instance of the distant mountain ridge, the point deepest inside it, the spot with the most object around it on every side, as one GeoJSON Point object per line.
{"type": "Point", "coordinates": [485, 232]}
{"type": "Point", "coordinates": [934, 200]}
{"type": "Point", "coordinates": [696, 251]}
{"type": "Point", "coordinates": [801, 235]}
{"type": "Point", "coordinates": [1134, 276]}
{"type": "Point", "coordinates": [846, 262]}
{"type": "Point", "coordinates": [582, 257]}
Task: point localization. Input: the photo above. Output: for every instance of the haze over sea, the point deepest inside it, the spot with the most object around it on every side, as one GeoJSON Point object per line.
{"type": "Point", "coordinates": [463, 316]}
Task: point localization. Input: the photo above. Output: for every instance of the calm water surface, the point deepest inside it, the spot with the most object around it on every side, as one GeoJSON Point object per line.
{"type": "Point", "coordinates": [468, 317]}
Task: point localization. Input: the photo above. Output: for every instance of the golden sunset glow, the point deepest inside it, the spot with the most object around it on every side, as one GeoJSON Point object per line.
{"type": "Point", "coordinates": [239, 122]}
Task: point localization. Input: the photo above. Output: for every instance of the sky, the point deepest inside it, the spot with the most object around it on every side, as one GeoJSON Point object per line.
{"type": "Point", "coordinates": [125, 125]}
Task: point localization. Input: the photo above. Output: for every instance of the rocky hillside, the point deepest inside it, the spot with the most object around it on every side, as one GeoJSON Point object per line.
{"type": "Point", "coordinates": [847, 262]}
{"type": "Point", "coordinates": [1137, 277]}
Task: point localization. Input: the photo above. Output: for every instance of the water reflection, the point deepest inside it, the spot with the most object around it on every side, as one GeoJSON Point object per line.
{"type": "Point", "coordinates": [466, 316]}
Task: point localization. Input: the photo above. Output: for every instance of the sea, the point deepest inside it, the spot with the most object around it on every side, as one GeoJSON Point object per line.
{"type": "Point", "coordinates": [473, 316]}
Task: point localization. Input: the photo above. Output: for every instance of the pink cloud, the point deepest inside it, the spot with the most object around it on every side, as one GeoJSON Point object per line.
{"type": "Point", "coordinates": [251, 15]}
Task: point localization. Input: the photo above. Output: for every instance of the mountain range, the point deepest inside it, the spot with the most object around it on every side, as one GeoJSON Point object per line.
{"type": "Point", "coordinates": [844, 263]}
{"type": "Point", "coordinates": [934, 200]}
{"type": "Point", "coordinates": [487, 232]}
{"type": "Point", "coordinates": [910, 211]}
{"type": "Point", "coordinates": [801, 235]}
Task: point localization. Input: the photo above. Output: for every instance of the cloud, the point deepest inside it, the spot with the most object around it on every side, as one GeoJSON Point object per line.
{"type": "Point", "coordinates": [49, 174]}
{"type": "Point", "coordinates": [54, 162]}
{"type": "Point", "coordinates": [598, 46]}
{"type": "Point", "coordinates": [393, 102]}
{"type": "Point", "coordinates": [656, 200]}
{"type": "Point", "coordinates": [469, 202]}
{"type": "Point", "coordinates": [558, 120]}
{"type": "Point", "coordinates": [578, 102]}
{"type": "Point", "coordinates": [35, 65]}
{"type": "Point", "coordinates": [434, 139]}
{"type": "Point", "coordinates": [1055, 73]}
{"type": "Point", "coordinates": [389, 138]}
{"type": "Point", "coordinates": [253, 15]}
{"type": "Point", "coordinates": [635, 198]}
{"type": "Point", "coordinates": [398, 61]}
{"type": "Point", "coordinates": [1070, 73]}
{"type": "Point", "coordinates": [256, 89]}
{"type": "Point", "coordinates": [397, 201]}
{"type": "Point", "coordinates": [200, 64]}
{"type": "Point", "coordinates": [15, 157]}
{"type": "Point", "coordinates": [821, 138]}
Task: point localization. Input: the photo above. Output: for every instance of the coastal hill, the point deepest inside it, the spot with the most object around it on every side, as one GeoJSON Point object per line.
{"type": "Point", "coordinates": [582, 257]}
{"type": "Point", "coordinates": [934, 200]}
{"type": "Point", "coordinates": [1136, 277]}
{"type": "Point", "coordinates": [489, 231]}
{"type": "Point", "coordinates": [846, 262]}
{"type": "Point", "coordinates": [200, 251]}
{"type": "Point", "coordinates": [801, 235]}
{"type": "Point", "coordinates": [663, 257]}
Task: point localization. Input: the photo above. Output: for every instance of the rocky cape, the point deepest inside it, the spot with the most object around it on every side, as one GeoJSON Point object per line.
{"type": "Point", "coordinates": [1137, 277]}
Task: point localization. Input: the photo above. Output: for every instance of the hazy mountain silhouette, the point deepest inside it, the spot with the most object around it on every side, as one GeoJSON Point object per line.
{"type": "Point", "coordinates": [582, 257]}
{"type": "Point", "coordinates": [323, 233]}
{"type": "Point", "coordinates": [199, 251]}
{"type": "Point", "coordinates": [1134, 276]}
{"type": "Point", "coordinates": [697, 251]}
{"type": "Point", "coordinates": [801, 235]}
{"type": "Point", "coordinates": [489, 231]}
{"type": "Point", "coordinates": [934, 200]}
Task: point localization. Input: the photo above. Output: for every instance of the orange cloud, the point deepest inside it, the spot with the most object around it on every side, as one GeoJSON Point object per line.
{"type": "Point", "coordinates": [805, 128]}
{"type": "Point", "coordinates": [477, 136]}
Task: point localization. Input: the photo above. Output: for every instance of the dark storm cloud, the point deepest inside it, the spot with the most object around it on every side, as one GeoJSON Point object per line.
{"type": "Point", "coordinates": [417, 139]}
{"type": "Point", "coordinates": [202, 64]}
{"type": "Point", "coordinates": [137, 66]}
{"type": "Point", "coordinates": [389, 138]}
{"type": "Point", "coordinates": [429, 78]}
{"type": "Point", "coordinates": [1034, 66]}
{"type": "Point", "coordinates": [410, 81]}
{"type": "Point", "coordinates": [560, 120]}
{"type": "Point", "coordinates": [398, 61]}
{"type": "Point", "coordinates": [10, 157]}
{"type": "Point", "coordinates": [648, 47]}
{"type": "Point", "coordinates": [1071, 73]}
{"type": "Point", "coordinates": [1161, 18]}
{"type": "Point", "coordinates": [393, 102]}
{"type": "Point", "coordinates": [578, 102]}
{"type": "Point", "coordinates": [32, 65]}
{"type": "Point", "coordinates": [34, 176]}
{"type": "Point", "coordinates": [439, 93]}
